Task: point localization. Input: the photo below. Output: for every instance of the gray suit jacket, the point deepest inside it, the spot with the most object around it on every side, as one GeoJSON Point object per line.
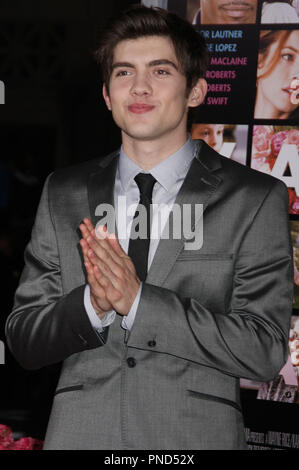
{"type": "Point", "coordinates": [205, 317]}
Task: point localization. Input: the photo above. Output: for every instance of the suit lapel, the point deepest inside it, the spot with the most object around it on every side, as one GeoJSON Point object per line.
{"type": "Point", "coordinates": [101, 186]}
{"type": "Point", "coordinates": [198, 187]}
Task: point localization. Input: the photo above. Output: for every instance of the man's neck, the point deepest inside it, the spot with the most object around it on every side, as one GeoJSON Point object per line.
{"type": "Point", "coordinates": [148, 154]}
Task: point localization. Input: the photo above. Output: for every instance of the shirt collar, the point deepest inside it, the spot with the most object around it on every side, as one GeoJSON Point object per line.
{"type": "Point", "coordinates": [167, 173]}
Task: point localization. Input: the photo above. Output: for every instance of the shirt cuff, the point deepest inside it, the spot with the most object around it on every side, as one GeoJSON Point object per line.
{"type": "Point", "coordinates": [97, 323]}
{"type": "Point", "coordinates": [128, 320]}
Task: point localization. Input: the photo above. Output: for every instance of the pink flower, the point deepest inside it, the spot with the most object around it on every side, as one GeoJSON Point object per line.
{"type": "Point", "coordinates": [295, 206]}
{"type": "Point", "coordinates": [24, 443]}
{"type": "Point", "coordinates": [260, 164]}
{"type": "Point", "coordinates": [293, 137]}
{"type": "Point", "coordinates": [293, 201]}
{"type": "Point", "coordinates": [263, 130]}
{"type": "Point", "coordinates": [6, 438]}
{"type": "Point", "coordinates": [262, 141]}
{"type": "Point", "coordinates": [4, 447]}
{"type": "Point", "coordinates": [277, 140]}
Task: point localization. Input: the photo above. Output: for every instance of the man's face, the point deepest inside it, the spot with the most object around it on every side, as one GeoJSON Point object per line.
{"type": "Point", "coordinates": [147, 90]}
{"type": "Point", "coordinates": [228, 11]}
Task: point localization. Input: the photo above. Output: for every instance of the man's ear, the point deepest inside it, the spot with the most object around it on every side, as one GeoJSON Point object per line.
{"type": "Point", "coordinates": [106, 97]}
{"type": "Point", "coordinates": [198, 93]}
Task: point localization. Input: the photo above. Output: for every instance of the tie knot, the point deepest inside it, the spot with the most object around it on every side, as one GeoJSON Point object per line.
{"type": "Point", "coordinates": [145, 183]}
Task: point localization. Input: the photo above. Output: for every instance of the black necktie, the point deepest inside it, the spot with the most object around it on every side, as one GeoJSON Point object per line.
{"type": "Point", "coordinates": [138, 247]}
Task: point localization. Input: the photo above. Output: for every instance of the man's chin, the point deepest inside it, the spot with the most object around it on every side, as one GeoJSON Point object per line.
{"type": "Point", "coordinates": [141, 134]}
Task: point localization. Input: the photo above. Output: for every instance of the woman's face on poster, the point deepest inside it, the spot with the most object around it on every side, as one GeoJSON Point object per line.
{"type": "Point", "coordinates": [275, 88]}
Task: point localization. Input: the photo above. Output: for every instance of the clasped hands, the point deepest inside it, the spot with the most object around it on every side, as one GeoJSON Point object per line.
{"type": "Point", "coordinates": [110, 272]}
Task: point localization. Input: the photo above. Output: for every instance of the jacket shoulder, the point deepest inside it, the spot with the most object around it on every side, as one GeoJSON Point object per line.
{"type": "Point", "coordinates": [235, 174]}
{"type": "Point", "coordinates": [249, 177]}
{"type": "Point", "coordinates": [75, 176]}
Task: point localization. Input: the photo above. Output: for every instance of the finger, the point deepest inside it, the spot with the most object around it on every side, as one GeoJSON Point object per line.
{"type": "Point", "coordinates": [85, 248]}
{"type": "Point", "coordinates": [84, 231]}
{"type": "Point", "coordinates": [110, 243]}
{"type": "Point", "coordinates": [100, 234]}
{"type": "Point", "coordinates": [113, 241]}
{"type": "Point", "coordinates": [86, 227]}
{"type": "Point", "coordinates": [105, 270]}
{"type": "Point", "coordinates": [88, 224]}
{"type": "Point", "coordinates": [88, 262]}
{"type": "Point", "coordinates": [100, 259]}
{"type": "Point", "coordinates": [105, 253]}
{"type": "Point", "coordinates": [103, 280]}
{"type": "Point", "coordinates": [112, 291]}
{"type": "Point", "coordinates": [97, 237]}
{"type": "Point", "coordinates": [100, 264]}
{"type": "Point", "coordinates": [95, 286]}
{"type": "Point", "coordinates": [121, 254]}
{"type": "Point", "coordinates": [112, 269]}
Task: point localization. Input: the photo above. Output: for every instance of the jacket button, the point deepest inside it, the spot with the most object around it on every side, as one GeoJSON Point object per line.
{"type": "Point", "coordinates": [152, 343]}
{"type": "Point", "coordinates": [131, 362]}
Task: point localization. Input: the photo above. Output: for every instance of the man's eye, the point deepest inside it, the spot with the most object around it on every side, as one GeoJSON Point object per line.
{"type": "Point", "coordinates": [162, 72]}
{"type": "Point", "coordinates": [122, 73]}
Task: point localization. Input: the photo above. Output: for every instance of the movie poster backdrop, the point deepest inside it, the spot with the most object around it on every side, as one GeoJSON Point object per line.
{"type": "Point", "coordinates": [251, 114]}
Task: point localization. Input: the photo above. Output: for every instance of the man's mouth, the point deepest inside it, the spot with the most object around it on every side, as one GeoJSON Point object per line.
{"type": "Point", "coordinates": [140, 108]}
{"type": "Point", "coordinates": [237, 10]}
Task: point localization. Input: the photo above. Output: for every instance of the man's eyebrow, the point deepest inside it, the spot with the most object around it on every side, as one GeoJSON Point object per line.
{"type": "Point", "coordinates": [163, 62]}
{"type": "Point", "coordinates": [152, 63]}
{"type": "Point", "coordinates": [121, 64]}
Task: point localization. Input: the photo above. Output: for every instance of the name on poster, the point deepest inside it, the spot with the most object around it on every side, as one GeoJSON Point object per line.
{"type": "Point", "coordinates": [222, 42]}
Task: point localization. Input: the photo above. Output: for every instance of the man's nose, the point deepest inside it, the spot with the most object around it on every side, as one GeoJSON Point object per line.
{"type": "Point", "coordinates": [141, 85]}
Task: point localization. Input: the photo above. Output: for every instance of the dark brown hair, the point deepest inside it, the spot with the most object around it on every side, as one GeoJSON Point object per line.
{"type": "Point", "coordinates": [139, 21]}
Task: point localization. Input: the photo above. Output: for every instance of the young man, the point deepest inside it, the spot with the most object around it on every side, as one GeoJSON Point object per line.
{"type": "Point", "coordinates": [152, 360]}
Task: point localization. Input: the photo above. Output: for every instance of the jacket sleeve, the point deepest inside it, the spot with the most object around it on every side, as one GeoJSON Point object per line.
{"type": "Point", "coordinates": [46, 325]}
{"type": "Point", "coordinates": [251, 339]}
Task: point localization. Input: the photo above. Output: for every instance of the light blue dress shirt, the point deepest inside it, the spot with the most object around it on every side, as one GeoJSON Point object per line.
{"type": "Point", "coordinates": [170, 175]}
